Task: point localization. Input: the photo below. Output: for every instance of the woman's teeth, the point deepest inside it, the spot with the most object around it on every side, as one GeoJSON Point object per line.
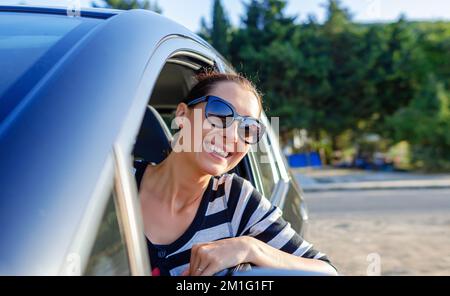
{"type": "Point", "coordinates": [216, 150]}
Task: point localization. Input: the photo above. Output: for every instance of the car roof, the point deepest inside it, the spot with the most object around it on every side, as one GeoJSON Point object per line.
{"type": "Point", "coordinates": [103, 13]}
{"type": "Point", "coordinates": [96, 12]}
{"type": "Point", "coordinates": [57, 138]}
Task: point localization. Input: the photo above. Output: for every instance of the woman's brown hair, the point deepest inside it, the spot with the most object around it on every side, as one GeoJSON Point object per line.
{"type": "Point", "coordinates": [210, 78]}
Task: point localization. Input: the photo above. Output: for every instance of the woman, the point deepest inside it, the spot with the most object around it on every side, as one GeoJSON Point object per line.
{"type": "Point", "coordinates": [198, 219]}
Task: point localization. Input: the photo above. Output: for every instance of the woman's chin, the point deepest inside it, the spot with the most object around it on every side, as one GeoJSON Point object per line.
{"type": "Point", "coordinates": [213, 164]}
{"type": "Point", "coordinates": [214, 170]}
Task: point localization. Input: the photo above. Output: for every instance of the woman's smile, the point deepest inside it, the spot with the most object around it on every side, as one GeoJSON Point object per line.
{"type": "Point", "coordinates": [216, 151]}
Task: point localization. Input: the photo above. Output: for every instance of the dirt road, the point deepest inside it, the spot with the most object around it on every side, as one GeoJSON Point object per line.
{"type": "Point", "coordinates": [390, 232]}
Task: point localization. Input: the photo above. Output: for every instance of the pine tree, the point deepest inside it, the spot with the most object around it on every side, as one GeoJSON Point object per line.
{"type": "Point", "coordinates": [218, 33]}
{"type": "Point", "coordinates": [129, 4]}
{"type": "Point", "coordinates": [425, 123]}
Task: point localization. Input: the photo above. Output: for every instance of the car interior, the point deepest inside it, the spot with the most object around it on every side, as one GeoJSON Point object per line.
{"type": "Point", "coordinates": [154, 137]}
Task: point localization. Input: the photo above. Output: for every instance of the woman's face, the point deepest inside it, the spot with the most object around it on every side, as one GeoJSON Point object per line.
{"type": "Point", "coordinates": [215, 151]}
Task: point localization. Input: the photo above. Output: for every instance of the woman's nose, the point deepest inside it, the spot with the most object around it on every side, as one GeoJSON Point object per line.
{"type": "Point", "coordinates": [231, 133]}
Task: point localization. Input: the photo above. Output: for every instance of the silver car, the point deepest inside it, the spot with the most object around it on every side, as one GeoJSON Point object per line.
{"type": "Point", "coordinates": [81, 98]}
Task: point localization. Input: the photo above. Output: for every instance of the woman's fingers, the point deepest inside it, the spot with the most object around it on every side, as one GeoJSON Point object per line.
{"type": "Point", "coordinates": [210, 258]}
{"type": "Point", "coordinates": [201, 258]}
{"type": "Point", "coordinates": [198, 261]}
{"type": "Point", "coordinates": [200, 270]}
{"type": "Point", "coordinates": [194, 259]}
{"type": "Point", "coordinates": [211, 269]}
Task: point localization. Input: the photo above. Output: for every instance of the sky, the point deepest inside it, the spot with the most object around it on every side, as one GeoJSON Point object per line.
{"type": "Point", "coordinates": [189, 12]}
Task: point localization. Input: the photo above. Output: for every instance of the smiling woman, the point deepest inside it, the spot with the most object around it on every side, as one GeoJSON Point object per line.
{"type": "Point", "coordinates": [217, 219]}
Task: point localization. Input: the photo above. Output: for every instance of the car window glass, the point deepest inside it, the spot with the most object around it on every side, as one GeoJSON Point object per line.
{"type": "Point", "coordinates": [108, 255]}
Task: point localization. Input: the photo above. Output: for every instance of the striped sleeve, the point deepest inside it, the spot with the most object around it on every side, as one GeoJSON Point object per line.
{"type": "Point", "coordinates": [254, 215]}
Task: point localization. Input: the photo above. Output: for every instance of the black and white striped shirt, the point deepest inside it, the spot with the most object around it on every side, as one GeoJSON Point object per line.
{"type": "Point", "coordinates": [230, 207]}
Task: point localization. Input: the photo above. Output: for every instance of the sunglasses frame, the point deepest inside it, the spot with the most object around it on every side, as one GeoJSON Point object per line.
{"type": "Point", "coordinates": [236, 115]}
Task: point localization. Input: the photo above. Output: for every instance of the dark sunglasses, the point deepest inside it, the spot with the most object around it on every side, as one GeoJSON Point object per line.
{"type": "Point", "coordinates": [222, 114]}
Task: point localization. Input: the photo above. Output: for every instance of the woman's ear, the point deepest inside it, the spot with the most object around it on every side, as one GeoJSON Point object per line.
{"type": "Point", "coordinates": [181, 112]}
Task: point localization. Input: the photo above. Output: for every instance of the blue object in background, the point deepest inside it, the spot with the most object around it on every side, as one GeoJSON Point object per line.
{"type": "Point", "coordinates": [314, 159]}
{"type": "Point", "coordinates": [299, 160]}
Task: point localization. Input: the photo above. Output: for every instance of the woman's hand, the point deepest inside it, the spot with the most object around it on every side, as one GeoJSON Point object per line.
{"type": "Point", "coordinates": [212, 257]}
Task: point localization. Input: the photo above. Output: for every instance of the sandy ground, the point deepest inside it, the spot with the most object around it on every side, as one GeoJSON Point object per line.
{"type": "Point", "coordinates": [406, 231]}
{"type": "Point", "coordinates": [402, 243]}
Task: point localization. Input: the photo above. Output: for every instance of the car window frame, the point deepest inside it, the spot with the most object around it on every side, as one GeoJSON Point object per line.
{"type": "Point", "coordinates": [169, 47]}
{"type": "Point", "coordinates": [280, 190]}
{"type": "Point", "coordinates": [266, 143]}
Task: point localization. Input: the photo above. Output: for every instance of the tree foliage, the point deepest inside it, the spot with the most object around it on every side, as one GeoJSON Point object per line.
{"type": "Point", "coordinates": [218, 33]}
{"type": "Point", "coordinates": [425, 124]}
{"type": "Point", "coordinates": [341, 79]}
{"type": "Point", "coordinates": [129, 4]}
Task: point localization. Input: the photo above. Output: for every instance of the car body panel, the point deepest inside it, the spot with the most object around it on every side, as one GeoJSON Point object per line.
{"type": "Point", "coordinates": [83, 99]}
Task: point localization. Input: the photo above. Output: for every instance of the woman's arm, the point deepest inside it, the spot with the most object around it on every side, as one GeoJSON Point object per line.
{"type": "Point", "coordinates": [264, 255]}
{"type": "Point", "coordinates": [212, 257]}
{"type": "Point", "coordinates": [260, 236]}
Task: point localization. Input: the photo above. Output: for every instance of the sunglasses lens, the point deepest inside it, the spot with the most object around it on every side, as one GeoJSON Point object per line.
{"type": "Point", "coordinates": [219, 114]}
{"type": "Point", "coordinates": [251, 130]}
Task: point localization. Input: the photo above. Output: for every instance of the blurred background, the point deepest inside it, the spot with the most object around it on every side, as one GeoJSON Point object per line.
{"type": "Point", "coordinates": [362, 92]}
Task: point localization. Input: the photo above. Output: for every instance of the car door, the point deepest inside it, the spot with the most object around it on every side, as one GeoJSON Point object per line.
{"type": "Point", "coordinates": [110, 238]}
{"type": "Point", "coordinates": [171, 48]}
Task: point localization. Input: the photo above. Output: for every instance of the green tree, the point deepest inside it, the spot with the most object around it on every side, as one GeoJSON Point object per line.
{"type": "Point", "coordinates": [401, 68]}
{"type": "Point", "coordinates": [338, 19]}
{"type": "Point", "coordinates": [425, 124]}
{"type": "Point", "coordinates": [129, 4]}
{"type": "Point", "coordinates": [263, 42]}
{"type": "Point", "coordinates": [337, 92]}
{"type": "Point", "coordinates": [218, 33]}
{"type": "Point", "coordinates": [434, 40]}
{"type": "Point", "coordinates": [343, 80]}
